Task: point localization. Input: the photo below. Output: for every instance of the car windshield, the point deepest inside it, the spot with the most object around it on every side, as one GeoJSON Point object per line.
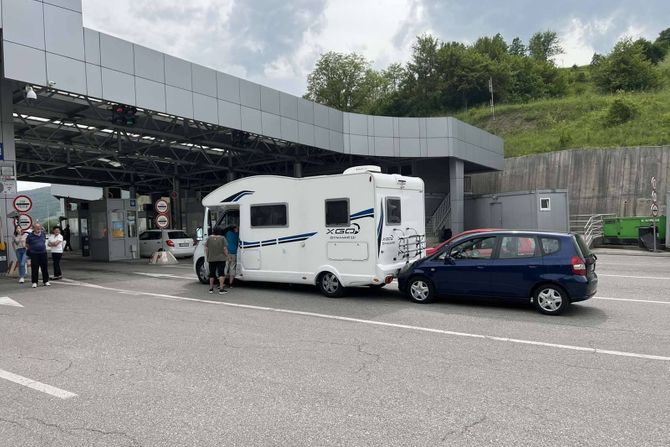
{"type": "Point", "coordinates": [178, 235]}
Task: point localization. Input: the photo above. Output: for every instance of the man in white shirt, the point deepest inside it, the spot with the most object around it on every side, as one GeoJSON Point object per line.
{"type": "Point", "coordinates": [56, 243]}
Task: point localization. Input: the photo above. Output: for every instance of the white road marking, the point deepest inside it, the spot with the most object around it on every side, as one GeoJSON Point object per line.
{"type": "Point", "coordinates": [35, 385]}
{"type": "Point", "coordinates": [635, 277]}
{"type": "Point", "coordinates": [7, 301]}
{"type": "Point", "coordinates": [382, 323]}
{"type": "Point", "coordinates": [630, 299]}
{"type": "Point", "coordinates": [166, 275]}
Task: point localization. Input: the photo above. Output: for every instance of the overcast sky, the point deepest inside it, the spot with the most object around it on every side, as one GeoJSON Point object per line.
{"type": "Point", "coordinates": [276, 42]}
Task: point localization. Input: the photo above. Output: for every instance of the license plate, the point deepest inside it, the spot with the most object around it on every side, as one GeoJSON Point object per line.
{"type": "Point", "coordinates": [184, 244]}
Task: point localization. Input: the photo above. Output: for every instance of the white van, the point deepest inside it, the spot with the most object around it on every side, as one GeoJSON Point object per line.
{"type": "Point", "coordinates": [353, 229]}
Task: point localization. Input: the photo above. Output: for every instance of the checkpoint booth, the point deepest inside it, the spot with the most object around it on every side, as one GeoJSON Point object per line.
{"type": "Point", "coordinates": [113, 229]}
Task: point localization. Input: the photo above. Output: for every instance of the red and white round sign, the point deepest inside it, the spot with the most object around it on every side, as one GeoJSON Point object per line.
{"type": "Point", "coordinates": [23, 204]}
{"type": "Point", "coordinates": [162, 221]}
{"type": "Point", "coordinates": [24, 221]}
{"type": "Point", "coordinates": [161, 206]}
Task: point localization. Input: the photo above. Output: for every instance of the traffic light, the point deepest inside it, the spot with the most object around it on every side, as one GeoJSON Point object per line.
{"type": "Point", "coordinates": [124, 115]}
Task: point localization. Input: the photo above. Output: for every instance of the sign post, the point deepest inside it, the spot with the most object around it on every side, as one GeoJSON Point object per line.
{"type": "Point", "coordinates": [162, 221]}
{"type": "Point", "coordinates": [24, 221]}
{"type": "Point", "coordinates": [161, 206]}
{"type": "Point", "coordinates": [654, 207]}
{"type": "Point", "coordinates": [23, 204]}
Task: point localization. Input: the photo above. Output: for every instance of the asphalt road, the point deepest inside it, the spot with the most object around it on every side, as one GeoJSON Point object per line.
{"type": "Point", "coordinates": [151, 359]}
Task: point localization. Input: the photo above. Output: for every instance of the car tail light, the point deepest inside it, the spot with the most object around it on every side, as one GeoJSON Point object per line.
{"type": "Point", "coordinates": [578, 266]}
{"type": "Point", "coordinates": [170, 243]}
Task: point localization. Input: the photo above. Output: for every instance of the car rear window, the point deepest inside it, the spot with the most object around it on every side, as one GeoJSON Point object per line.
{"type": "Point", "coordinates": [178, 235]}
{"type": "Point", "coordinates": [550, 246]}
{"type": "Point", "coordinates": [583, 248]}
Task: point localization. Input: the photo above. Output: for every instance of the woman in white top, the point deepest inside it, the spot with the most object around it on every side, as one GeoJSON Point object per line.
{"type": "Point", "coordinates": [56, 243]}
{"type": "Point", "coordinates": [19, 244]}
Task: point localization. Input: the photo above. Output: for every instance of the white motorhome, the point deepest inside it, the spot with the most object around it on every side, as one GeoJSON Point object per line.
{"type": "Point", "coordinates": [358, 228]}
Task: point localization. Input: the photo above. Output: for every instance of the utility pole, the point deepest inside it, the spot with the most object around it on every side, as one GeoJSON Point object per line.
{"type": "Point", "coordinates": [493, 107]}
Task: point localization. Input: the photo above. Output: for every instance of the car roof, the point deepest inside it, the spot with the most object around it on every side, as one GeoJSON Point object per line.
{"type": "Point", "coordinates": [520, 232]}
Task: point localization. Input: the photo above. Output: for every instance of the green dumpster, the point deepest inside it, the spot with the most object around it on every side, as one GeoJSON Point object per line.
{"type": "Point", "coordinates": [626, 230]}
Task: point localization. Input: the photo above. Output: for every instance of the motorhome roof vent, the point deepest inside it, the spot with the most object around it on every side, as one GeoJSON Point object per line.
{"type": "Point", "coordinates": [366, 168]}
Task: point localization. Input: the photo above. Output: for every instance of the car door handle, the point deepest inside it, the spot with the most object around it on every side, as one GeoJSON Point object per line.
{"type": "Point", "coordinates": [532, 266]}
{"type": "Point", "coordinates": [480, 267]}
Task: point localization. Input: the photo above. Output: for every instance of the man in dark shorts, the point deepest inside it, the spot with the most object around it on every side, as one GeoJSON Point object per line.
{"type": "Point", "coordinates": [216, 251]}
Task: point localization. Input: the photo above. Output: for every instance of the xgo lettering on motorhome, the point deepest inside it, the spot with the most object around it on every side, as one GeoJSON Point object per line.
{"type": "Point", "coordinates": [358, 228]}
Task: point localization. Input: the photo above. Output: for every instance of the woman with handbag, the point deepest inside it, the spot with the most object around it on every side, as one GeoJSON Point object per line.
{"type": "Point", "coordinates": [19, 244]}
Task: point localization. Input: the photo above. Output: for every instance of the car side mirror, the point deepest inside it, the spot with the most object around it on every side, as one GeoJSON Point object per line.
{"type": "Point", "coordinates": [449, 260]}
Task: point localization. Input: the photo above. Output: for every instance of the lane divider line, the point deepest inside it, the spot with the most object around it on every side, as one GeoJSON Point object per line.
{"type": "Point", "coordinates": [630, 300]}
{"type": "Point", "coordinates": [381, 323]}
{"type": "Point", "coordinates": [634, 277]}
{"type": "Point", "coordinates": [7, 301]}
{"type": "Point", "coordinates": [35, 385]}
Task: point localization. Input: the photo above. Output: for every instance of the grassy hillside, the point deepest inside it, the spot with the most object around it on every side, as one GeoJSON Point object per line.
{"type": "Point", "coordinates": [578, 120]}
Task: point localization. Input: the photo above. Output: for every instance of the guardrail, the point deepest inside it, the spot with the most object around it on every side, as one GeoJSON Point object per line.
{"type": "Point", "coordinates": [592, 228]}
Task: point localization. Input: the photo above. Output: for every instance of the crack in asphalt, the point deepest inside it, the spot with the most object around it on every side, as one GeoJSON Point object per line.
{"type": "Point", "coordinates": [9, 421]}
{"type": "Point", "coordinates": [466, 428]}
{"type": "Point", "coordinates": [133, 442]}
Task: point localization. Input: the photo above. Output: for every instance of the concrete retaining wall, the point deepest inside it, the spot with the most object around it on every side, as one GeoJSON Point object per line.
{"type": "Point", "coordinates": [598, 180]}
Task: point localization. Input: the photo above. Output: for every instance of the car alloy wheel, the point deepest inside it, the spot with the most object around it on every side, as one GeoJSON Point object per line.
{"type": "Point", "coordinates": [201, 270]}
{"type": "Point", "coordinates": [550, 300]}
{"type": "Point", "coordinates": [330, 285]}
{"type": "Point", "coordinates": [420, 290]}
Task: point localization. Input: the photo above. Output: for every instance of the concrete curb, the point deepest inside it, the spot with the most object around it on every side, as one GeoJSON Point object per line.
{"type": "Point", "coordinates": [625, 252]}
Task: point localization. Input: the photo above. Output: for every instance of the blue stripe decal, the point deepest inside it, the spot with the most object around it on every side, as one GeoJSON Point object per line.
{"type": "Point", "coordinates": [305, 235]}
{"type": "Point", "coordinates": [281, 240]}
{"type": "Point", "coordinates": [242, 194]}
{"type": "Point", "coordinates": [379, 230]}
{"type": "Point", "coordinates": [237, 196]}
{"type": "Point", "coordinates": [364, 213]}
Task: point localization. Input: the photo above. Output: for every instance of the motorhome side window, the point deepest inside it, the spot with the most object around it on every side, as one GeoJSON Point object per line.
{"type": "Point", "coordinates": [337, 213]}
{"type": "Point", "coordinates": [393, 214]}
{"type": "Point", "coordinates": [274, 215]}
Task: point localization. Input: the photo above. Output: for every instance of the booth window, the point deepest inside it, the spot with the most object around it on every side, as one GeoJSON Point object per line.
{"type": "Point", "coordinates": [545, 204]}
{"type": "Point", "coordinates": [393, 212]}
{"type": "Point", "coordinates": [337, 213]}
{"type": "Point", "coordinates": [275, 215]}
{"type": "Point", "coordinates": [118, 230]}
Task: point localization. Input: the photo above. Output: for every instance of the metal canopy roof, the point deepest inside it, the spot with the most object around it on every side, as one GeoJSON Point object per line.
{"type": "Point", "coordinates": [67, 138]}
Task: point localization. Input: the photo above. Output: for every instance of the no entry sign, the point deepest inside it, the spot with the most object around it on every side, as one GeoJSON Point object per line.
{"type": "Point", "coordinates": [23, 204]}
{"type": "Point", "coordinates": [162, 221]}
{"type": "Point", "coordinates": [24, 221]}
{"type": "Point", "coordinates": [161, 206]}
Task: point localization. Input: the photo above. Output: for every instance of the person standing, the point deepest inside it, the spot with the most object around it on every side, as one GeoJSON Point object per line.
{"type": "Point", "coordinates": [19, 244]}
{"type": "Point", "coordinates": [216, 252]}
{"type": "Point", "coordinates": [67, 234]}
{"type": "Point", "coordinates": [232, 240]}
{"type": "Point", "coordinates": [56, 243]}
{"type": "Point", "coordinates": [37, 251]}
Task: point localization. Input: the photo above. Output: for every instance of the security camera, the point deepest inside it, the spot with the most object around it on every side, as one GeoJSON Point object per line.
{"type": "Point", "coordinates": [30, 94]}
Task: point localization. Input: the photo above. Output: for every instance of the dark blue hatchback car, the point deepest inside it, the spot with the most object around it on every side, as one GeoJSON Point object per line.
{"type": "Point", "coordinates": [549, 269]}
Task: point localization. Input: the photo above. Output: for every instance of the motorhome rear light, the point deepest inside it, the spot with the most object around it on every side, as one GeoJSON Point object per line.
{"type": "Point", "coordinates": [578, 266]}
{"type": "Point", "coordinates": [388, 279]}
{"type": "Point", "coordinates": [170, 243]}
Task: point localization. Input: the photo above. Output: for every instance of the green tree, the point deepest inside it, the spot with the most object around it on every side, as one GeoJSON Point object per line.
{"type": "Point", "coordinates": [545, 45]}
{"type": "Point", "coordinates": [626, 68]}
{"type": "Point", "coordinates": [494, 47]}
{"type": "Point", "coordinates": [654, 52]}
{"type": "Point", "coordinates": [344, 81]}
{"type": "Point", "coordinates": [663, 37]}
{"type": "Point", "coordinates": [421, 88]}
{"type": "Point", "coordinates": [517, 48]}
